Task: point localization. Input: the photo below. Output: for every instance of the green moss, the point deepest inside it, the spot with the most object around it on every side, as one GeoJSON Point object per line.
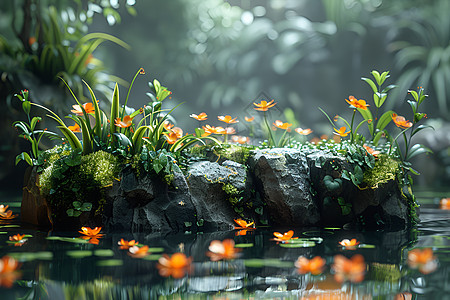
{"type": "Point", "coordinates": [230, 189]}
{"type": "Point", "coordinates": [386, 168]}
{"type": "Point", "coordinates": [236, 153]}
{"type": "Point", "coordinates": [79, 178]}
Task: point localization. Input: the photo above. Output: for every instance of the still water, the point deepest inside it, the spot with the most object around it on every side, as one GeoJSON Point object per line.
{"type": "Point", "coordinates": [60, 265]}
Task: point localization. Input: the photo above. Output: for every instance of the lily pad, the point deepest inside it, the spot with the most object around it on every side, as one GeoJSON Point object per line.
{"type": "Point", "coordinates": [247, 245]}
{"type": "Point", "coordinates": [66, 239]}
{"type": "Point", "coordinates": [366, 246]}
{"type": "Point", "coordinates": [301, 244]}
{"type": "Point", "coordinates": [9, 226]}
{"type": "Point", "coordinates": [332, 228]}
{"type": "Point", "coordinates": [110, 263]}
{"type": "Point", "coordinates": [152, 257]}
{"type": "Point", "coordinates": [29, 256]}
{"type": "Point", "coordinates": [79, 253]}
{"type": "Point", "coordinates": [104, 252]}
{"type": "Point", "coordinates": [155, 250]}
{"type": "Point", "coordinates": [317, 233]}
{"type": "Point", "coordinates": [270, 262]}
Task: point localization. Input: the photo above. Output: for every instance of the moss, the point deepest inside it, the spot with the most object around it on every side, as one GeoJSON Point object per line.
{"type": "Point", "coordinates": [386, 168]}
{"type": "Point", "coordinates": [236, 153]}
{"type": "Point", "coordinates": [78, 178]}
{"type": "Point", "coordinates": [230, 189]}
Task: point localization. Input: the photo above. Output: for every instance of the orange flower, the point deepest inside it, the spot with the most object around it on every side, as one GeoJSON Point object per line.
{"type": "Point", "coordinates": [243, 224]}
{"type": "Point", "coordinates": [349, 244]}
{"type": "Point", "coordinates": [8, 273]}
{"type": "Point", "coordinates": [167, 125]}
{"type": "Point", "coordinates": [422, 259]}
{"type": "Point", "coordinates": [127, 244]}
{"type": "Point", "coordinates": [137, 252]}
{"type": "Point", "coordinates": [3, 208]}
{"type": "Point", "coordinates": [357, 103]}
{"type": "Point", "coordinates": [127, 121]}
{"type": "Point", "coordinates": [176, 266]}
{"type": "Point", "coordinates": [227, 119]}
{"type": "Point", "coordinates": [91, 232]}
{"type": "Point", "coordinates": [222, 250]}
{"type": "Point", "coordinates": [31, 40]}
{"type": "Point", "coordinates": [247, 119]}
{"type": "Point", "coordinates": [264, 105]}
{"type": "Point", "coordinates": [243, 231]}
{"type": "Point", "coordinates": [93, 240]}
{"type": "Point", "coordinates": [200, 117]}
{"type": "Point", "coordinates": [341, 131]}
{"type": "Point", "coordinates": [352, 269]}
{"type": "Point", "coordinates": [88, 107]}
{"type": "Point", "coordinates": [314, 266]}
{"type": "Point", "coordinates": [444, 203]}
{"type": "Point", "coordinates": [214, 130]}
{"type": "Point", "coordinates": [75, 128]}
{"type": "Point", "coordinates": [18, 238]}
{"type": "Point", "coordinates": [282, 125]}
{"type": "Point", "coordinates": [303, 131]}
{"type": "Point", "coordinates": [284, 237]}
{"type": "Point", "coordinates": [401, 122]}
{"type": "Point", "coordinates": [178, 131]}
{"type": "Point", "coordinates": [240, 139]}
{"type": "Point", "coordinates": [7, 215]}
{"type": "Point", "coordinates": [171, 137]}
{"type": "Point", "coordinates": [371, 151]}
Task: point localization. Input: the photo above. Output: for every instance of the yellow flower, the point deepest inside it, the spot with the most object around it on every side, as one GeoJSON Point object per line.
{"type": "Point", "coordinates": [341, 131]}
{"type": "Point", "coordinates": [264, 105]}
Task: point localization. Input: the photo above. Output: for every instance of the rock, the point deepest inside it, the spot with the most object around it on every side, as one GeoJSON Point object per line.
{"type": "Point", "coordinates": [147, 204]}
{"type": "Point", "coordinates": [206, 181]}
{"type": "Point", "coordinates": [282, 178]}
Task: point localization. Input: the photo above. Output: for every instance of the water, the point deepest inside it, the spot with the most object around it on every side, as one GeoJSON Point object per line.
{"type": "Point", "coordinates": [58, 268]}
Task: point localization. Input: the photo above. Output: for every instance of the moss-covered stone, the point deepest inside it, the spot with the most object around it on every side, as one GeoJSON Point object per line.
{"type": "Point", "coordinates": [236, 153]}
{"type": "Point", "coordinates": [386, 168]}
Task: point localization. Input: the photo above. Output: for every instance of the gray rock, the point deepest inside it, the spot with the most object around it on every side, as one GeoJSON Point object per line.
{"type": "Point", "coordinates": [282, 178]}
{"type": "Point", "coordinates": [206, 180]}
{"type": "Point", "coordinates": [147, 204]}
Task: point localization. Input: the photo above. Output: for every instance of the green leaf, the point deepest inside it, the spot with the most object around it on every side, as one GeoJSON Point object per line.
{"type": "Point", "coordinates": [155, 250]}
{"type": "Point", "coordinates": [421, 127]}
{"type": "Point", "coordinates": [76, 204]}
{"type": "Point", "coordinates": [104, 252]}
{"type": "Point", "coordinates": [377, 76]}
{"type": "Point", "coordinates": [70, 212]}
{"type": "Point", "coordinates": [79, 253]}
{"type": "Point", "coordinates": [367, 115]}
{"type": "Point", "coordinates": [34, 121]}
{"type": "Point", "coordinates": [114, 110]}
{"type": "Point", "coordinates": [24, 156]}
{"type": "Point", "coordinates": [87, 206]}
{"type": "Point", "coordinates": [384, 120]}
{"type": "Point", "coordinates": [301, 244]}
{"type": "Point", "coordinates": [68, 240]}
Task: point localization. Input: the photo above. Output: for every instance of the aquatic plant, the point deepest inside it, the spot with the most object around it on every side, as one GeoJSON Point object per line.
{"type": "Point", "coordinates": [349, 269]}
{"type": "Point", "coordinates": [284, 237]}
{"type": "Point", "coordinates": [315, 265]}
{"type": "Point", "coordinates": [176, 265]}
{"type": "Point", "coordinates": [125, 245]}
{"type": "Point", "coordinates": [349, 244]}
{"type": "Point", "coordinates": [423, 260]}
{"type": "Point", "coordinates": [138, 252]}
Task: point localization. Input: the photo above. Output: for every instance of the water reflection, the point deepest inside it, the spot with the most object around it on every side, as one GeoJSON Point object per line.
{"type": "Point", "coordinates": [59, 265]}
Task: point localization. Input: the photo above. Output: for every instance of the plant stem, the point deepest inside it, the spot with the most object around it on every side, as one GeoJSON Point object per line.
{"type": "Point", "coordinates": [271, 140]}
{"type": "Point", "coordinates": [351, 127]}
